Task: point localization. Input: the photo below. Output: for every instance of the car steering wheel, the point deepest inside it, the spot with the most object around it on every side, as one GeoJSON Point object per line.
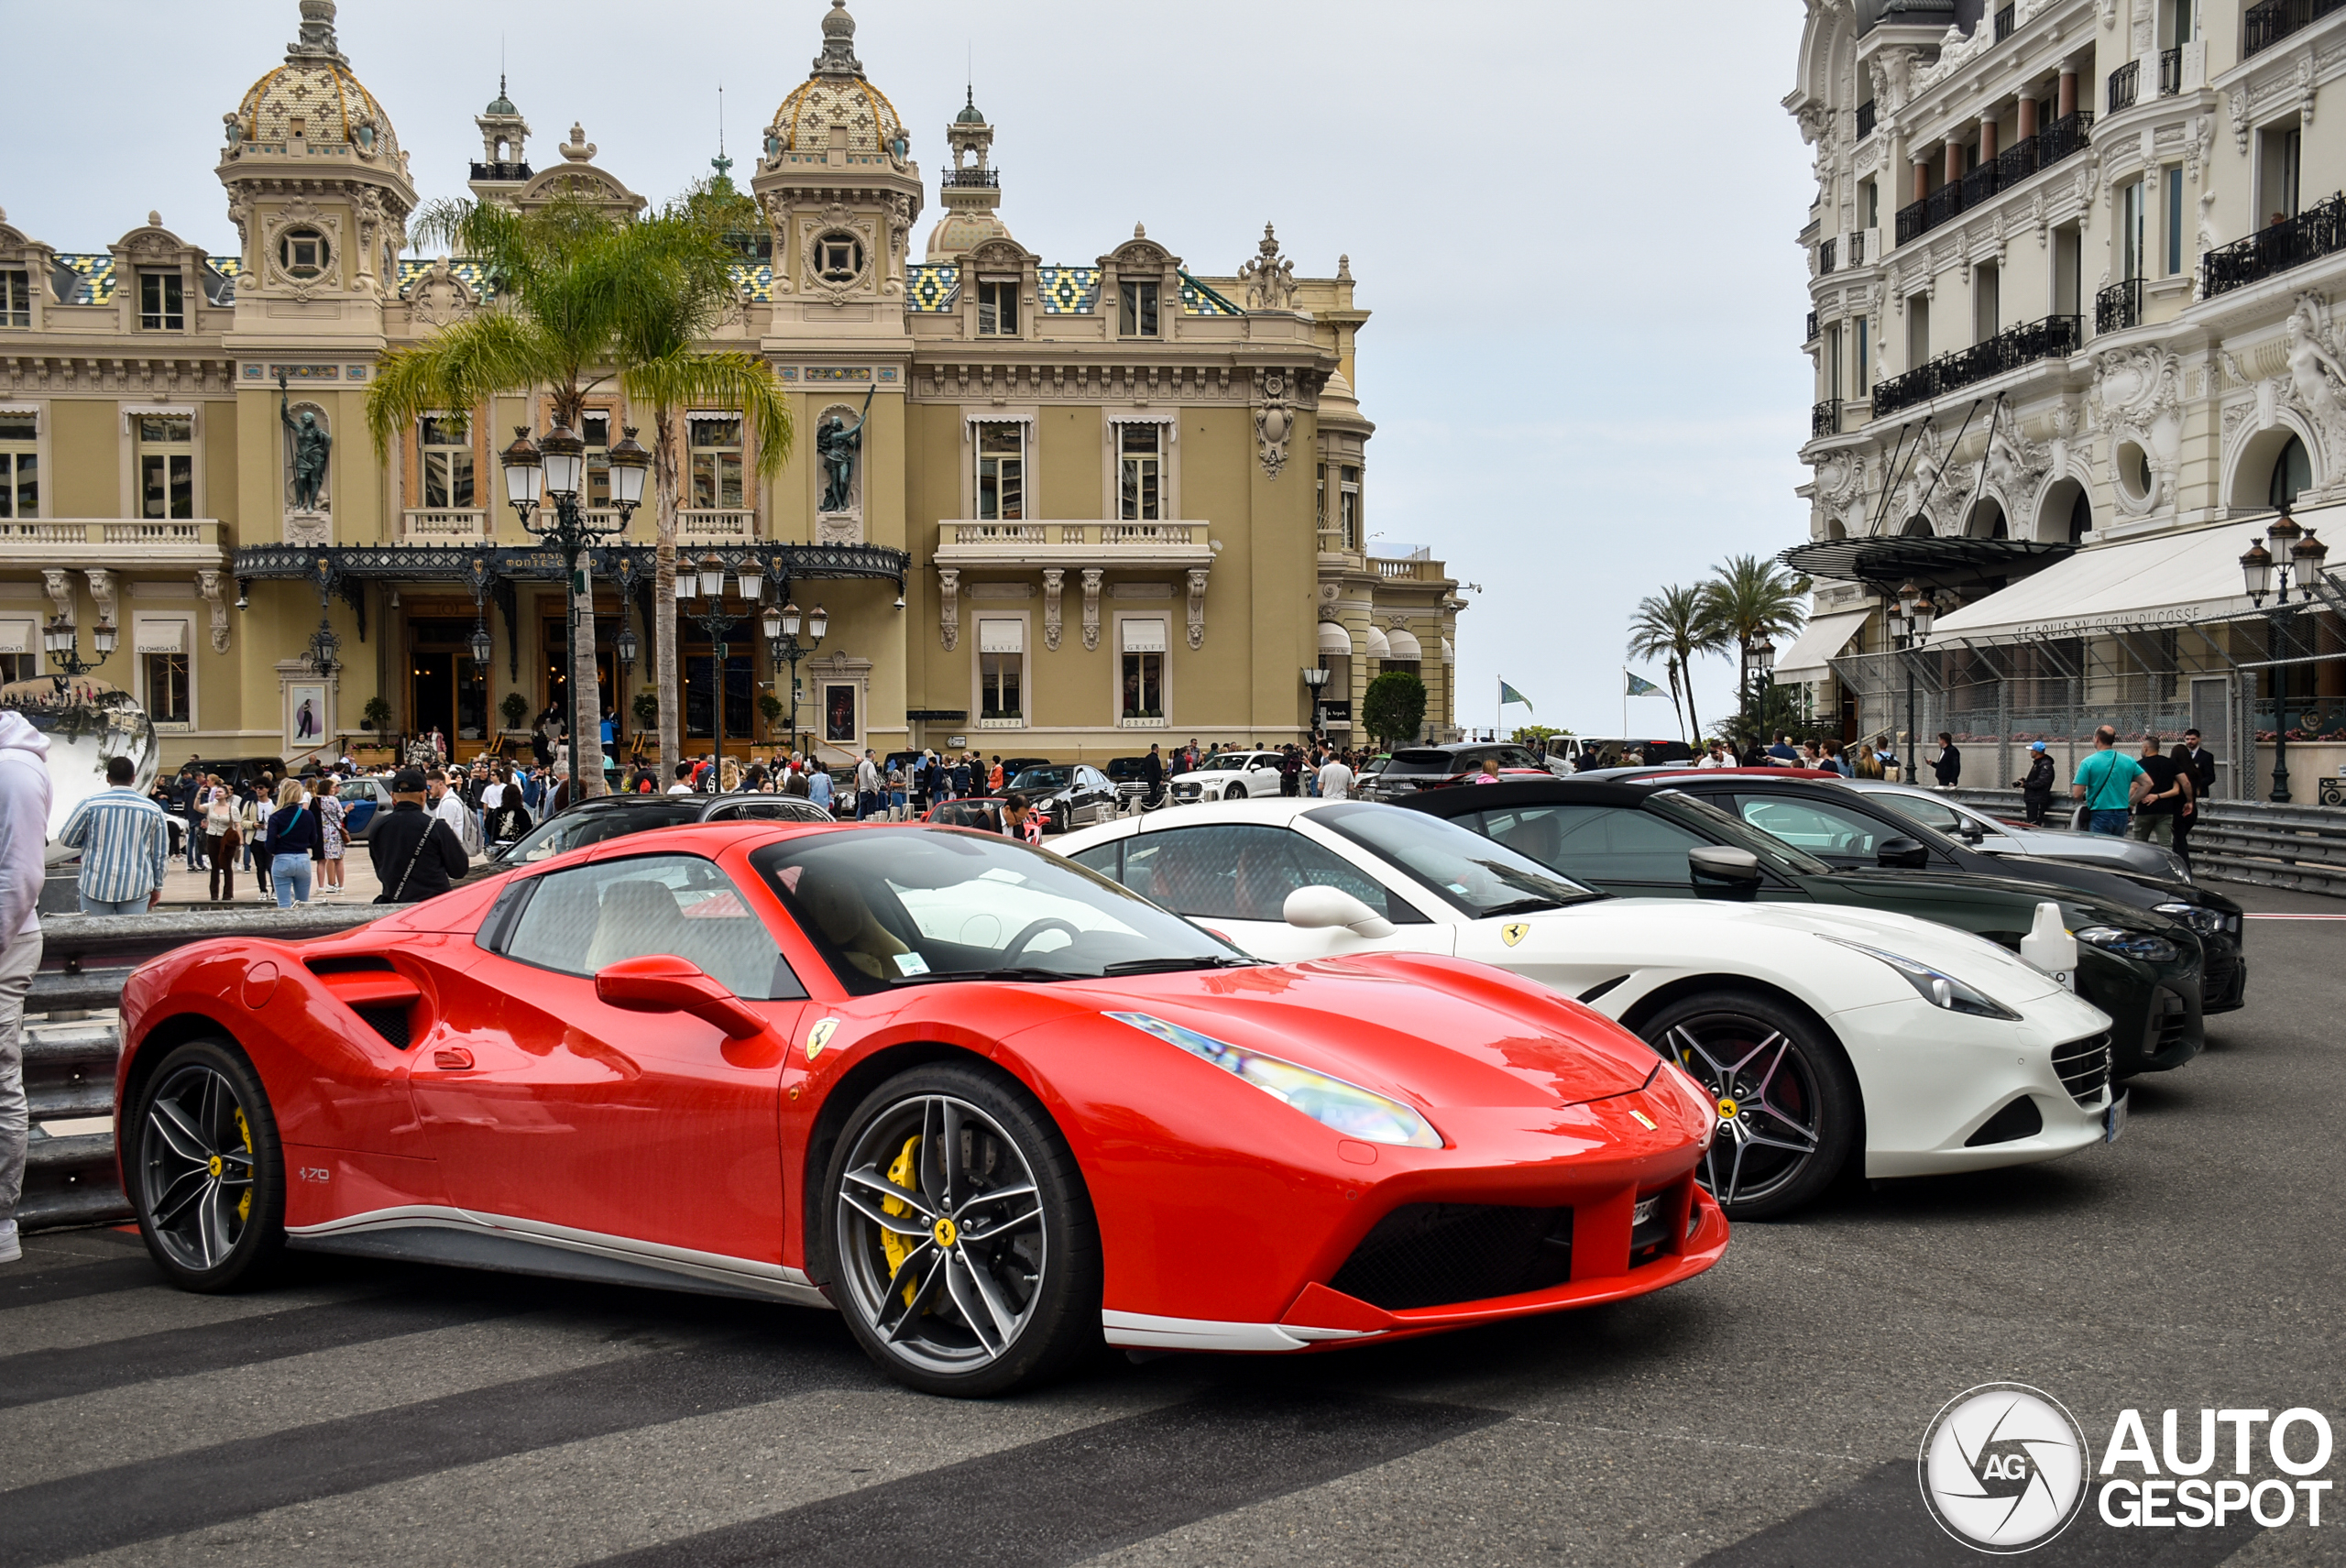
{"type": "Point", "coordinates": [1018, 943]}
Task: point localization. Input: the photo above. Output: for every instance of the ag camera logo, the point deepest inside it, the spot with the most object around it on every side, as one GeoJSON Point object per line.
{"type": "Point", "coordinates": [2003, 1467]}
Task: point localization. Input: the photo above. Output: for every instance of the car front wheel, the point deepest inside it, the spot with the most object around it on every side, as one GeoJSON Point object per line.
{"type": "Point", "coordinates": [207, 1174]}
{"type": "Point", "coordinates": [1234, 792]}
{"type": "Point", "coordinates": [1788, 1106]}
{"type": "Point", "coordinates": [963, 1249]}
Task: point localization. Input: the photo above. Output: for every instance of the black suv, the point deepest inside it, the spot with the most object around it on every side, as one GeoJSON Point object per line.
{"type": "Point", "coordinates": [1416, 768]}
{"type": "Point", "coordinates": [2141, 966]}
{"type": "Point", "coordinates": [617, 816]}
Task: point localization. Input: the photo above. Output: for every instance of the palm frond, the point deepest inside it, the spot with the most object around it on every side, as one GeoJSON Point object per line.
{"type": "Point", "coordinates": [727, 379]}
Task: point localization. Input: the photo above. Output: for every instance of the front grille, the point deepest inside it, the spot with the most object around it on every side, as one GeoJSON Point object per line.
{"type": "Point", "coordinates": [2170, 1021]}
{"type": "Point", "coordinates": [2222, 980]}
{"type": "Point", "coordinates": [388, 1019]}
{"type": "Point", "coordinates": [2084, 1068]}
{"type": "Point", "coordinates": [1432, 1254]}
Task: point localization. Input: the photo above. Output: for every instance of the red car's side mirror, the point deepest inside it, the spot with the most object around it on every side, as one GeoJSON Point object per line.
{"type": "Point", "coordinates": [662, 983]}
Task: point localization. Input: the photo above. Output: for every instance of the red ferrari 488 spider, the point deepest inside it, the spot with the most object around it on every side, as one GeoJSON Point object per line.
{"type": "Point", "coordinates": [989, 1105]}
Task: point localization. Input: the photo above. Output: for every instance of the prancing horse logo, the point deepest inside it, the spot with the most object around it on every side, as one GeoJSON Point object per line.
{"type": "Point", "coordinates": [1514, 931]}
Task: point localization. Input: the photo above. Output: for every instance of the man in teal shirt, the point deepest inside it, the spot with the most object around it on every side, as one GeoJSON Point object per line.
{"type": "Point", "coordinates": [2107, 782]}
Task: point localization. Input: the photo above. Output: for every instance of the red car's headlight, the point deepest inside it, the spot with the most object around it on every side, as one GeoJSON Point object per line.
{"type": "Point", "coordinates": [1346, 1108]}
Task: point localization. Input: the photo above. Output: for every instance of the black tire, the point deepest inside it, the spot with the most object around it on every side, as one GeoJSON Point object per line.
{"type": "Point", "coordinates": [1791, 1116]}
{"type": "Point", "coordinates": [1010, 1296]}
{"type": "Point", "coordinates": [207, 1170]}
{"type": "Point", "coordinates": [1234, 792]}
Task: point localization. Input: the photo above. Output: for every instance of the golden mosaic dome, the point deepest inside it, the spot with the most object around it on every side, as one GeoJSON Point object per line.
{"type": "Point", "coordinates": [837, 94]}
{"type": "Point", "coordinates": [314, 95]}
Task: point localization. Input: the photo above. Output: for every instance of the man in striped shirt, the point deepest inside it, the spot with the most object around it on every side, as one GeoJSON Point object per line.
{"type": "Point", "coordinates": [124, 843]}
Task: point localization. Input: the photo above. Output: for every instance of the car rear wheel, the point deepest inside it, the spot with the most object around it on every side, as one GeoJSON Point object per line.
{"type": "Point", "coordinates": [964, 1252]}
{"type": "Point", "coordinates": [206, 1171]}
{"type": "Point", "coordinates": [1789, 1112]}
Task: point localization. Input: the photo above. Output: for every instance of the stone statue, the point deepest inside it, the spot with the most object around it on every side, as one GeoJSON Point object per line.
{"type": "Point", "coordinates": [836, 442]}
{"type": "Point", "coordinates": [2311, 368]}
{"type": "Point", "coordinates": [311, 446]}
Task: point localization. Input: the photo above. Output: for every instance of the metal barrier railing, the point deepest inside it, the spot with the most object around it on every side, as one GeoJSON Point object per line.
{"type": "Point", "coordinates": [2297, 847]}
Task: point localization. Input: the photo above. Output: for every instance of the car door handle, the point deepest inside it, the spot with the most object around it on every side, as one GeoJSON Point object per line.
{"type": "Point", "coordinates": [452, 1058]}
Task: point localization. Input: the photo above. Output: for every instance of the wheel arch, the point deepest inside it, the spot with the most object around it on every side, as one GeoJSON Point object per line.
{"type": "Point", "coordinates": [158, 1040]}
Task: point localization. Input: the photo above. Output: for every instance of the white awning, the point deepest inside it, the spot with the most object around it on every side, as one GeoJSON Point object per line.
{"type": "Point", "coordinates": [1404, 645]}
{"type": "Point", "coordinates": [1334, 639]}
{"type": "Point", "coordinates": [1375, 646]}
{"type": "Point", "coordinates": [17, 637]}
{"type": "Point", "coordinates": [1822, 638]}
{"type": "Point", "coordinates": [1449, 654]}
{"type": "Point", "coordinates": [2168, 579]}
{"type": "Point", "coordinates": [1144, 636]}
{"type": "Point", "coordinates": [159, 637]}
{"type": "Point", "coordinates": [1001, 636]}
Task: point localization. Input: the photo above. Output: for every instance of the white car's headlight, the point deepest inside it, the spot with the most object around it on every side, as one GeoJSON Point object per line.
{"type": "Point", "coordinates": [1934, 986]}
{"type": "Point", "coordinates": [1346, 1108]}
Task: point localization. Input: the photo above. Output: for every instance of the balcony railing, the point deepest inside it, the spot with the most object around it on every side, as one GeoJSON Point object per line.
{"type": "Point", "coordinates": [2065, 137]}
{"type": "Point", "coordinates": [1811, 335]}
{"type": "Point", "coordinates": [1824, 418]}
{"type": "Point", "coordinates": [2122, 84]}
{"type": "Point", "coordinates": [727, 525]}
{"type": "Point", "coordinates": [1824, 258]}
{"type": "Point", "coordinates": [1856, 238]}
{"type": "Point", "coordinates": [1865, 119]}
{"type": "Point", "coordinates": [2119, 306]}
{"type": "Point", "coordinates": [973, 178]}
{"type": "Point", "coordinates": [2055, 337]}
{"type": "Point", "coordinates": [500, 171]}
{"type": "Point", "coordinates": [2318, 231]}
{"type": "Point", "coordinates": [442, 524]}
{"type": "Point", "coordinates": [2005, 23]}
{"type": "Point", "coordinates": [78, 542]}
{"type": "Point", "coordinates": [1060, 543]}
{"type": "Point", "coordinates": [2170, 72]}
{"type": "Point", "coordinates": [2268, 24]}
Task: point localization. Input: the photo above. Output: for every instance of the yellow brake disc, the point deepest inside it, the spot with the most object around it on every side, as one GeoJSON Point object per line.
{"type": "Point", "coordinates": [905, 1173]}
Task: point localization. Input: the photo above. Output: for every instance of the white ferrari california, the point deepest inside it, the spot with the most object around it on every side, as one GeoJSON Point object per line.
{"type": "Point", "coordinates": [1814, 1028]}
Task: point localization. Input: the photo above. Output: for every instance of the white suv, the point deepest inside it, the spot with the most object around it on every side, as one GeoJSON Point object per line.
{"type": "Point", "coordinates": [1233, 775]}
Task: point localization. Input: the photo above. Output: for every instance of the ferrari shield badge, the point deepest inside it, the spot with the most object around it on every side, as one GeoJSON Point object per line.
{"type": "Point", "coordinates": [1514, 931]}
{"type": "Point", "coordinates": [819, 1035]}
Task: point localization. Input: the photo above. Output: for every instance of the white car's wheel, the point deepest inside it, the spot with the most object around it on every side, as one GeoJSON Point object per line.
{"type": "Point", "coordinates": [1788, 1105]}
{"type": "Point", "coordinates": [1234, 792]}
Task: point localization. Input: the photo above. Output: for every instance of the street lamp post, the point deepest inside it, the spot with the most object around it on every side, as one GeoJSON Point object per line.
{"type": "Point", "coordinates": [716, 621]}
{"type": "Point", "coordinates": [1316, 677]}
{"type": "Point", "coordinates": [2294, 553]}
{"type": "Point", "coordinates": [64, 649]}
{"type": "Point", "coordinates": [549, 473]}
{"type": "Point", "coordinates": [1917, 613]}
{"type": "Point", "coordinates": [1763, 681]}
{"type": "Point", "coordinates": [782, 646]}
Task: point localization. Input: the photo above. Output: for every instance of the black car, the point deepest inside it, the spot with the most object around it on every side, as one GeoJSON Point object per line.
{"type": "Point", "coordinates": [617, 816]}
{"type": "Point", "coordinates": [1069, 794]}
{"type": "Point", "coordinates": [1655, 841]}
{"type": "Point", "coordinates": [1416, 768]}
{"type": "Point", "coordinates": [1124, 772]}
{"type": "Point", "coordinates": [1847, 828]}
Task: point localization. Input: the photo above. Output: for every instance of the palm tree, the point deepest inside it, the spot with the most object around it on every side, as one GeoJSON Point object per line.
{"type": "Point", "coordinates": [1747, 599]}
{"type": "Point", "coordinates": [1672, 626]}
{"type": "Point", "coordinates": [688, 270]}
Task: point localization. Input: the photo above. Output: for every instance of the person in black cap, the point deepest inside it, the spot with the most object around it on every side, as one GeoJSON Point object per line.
{"type": "Point", "coordinates": [416, 856]}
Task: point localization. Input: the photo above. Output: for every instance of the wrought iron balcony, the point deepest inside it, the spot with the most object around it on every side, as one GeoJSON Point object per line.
{"type": "Point", "coordinates": [2065, 137]}
{"type": "Point", "coordinates": [1824, 418]}
{"type": "Point", "coordinates": [2005, 23]}
{"type": "Point", "coordinates": [1811, 336]}
{"type": "Point", "coordinates": [2318, 231]}
{"type": "Point", "coordinates": [1856, 238]}
{"type": "Point", "coordinates": [2119, 306]}
{"type": "Point", "coordinates": [2266, 25]}
{"type": "Point", "coordinates": [2055, 337]}
{"type": "Point", "coordinates": [972, 179]}
{"type": "Point", "coordinates": [1824, 258]}
{"type": "Point", "coordinates": [2122, 84]}
{"type": "Point", "coordinates": [500, 171]}
{"type": "Point", "coordinates": [1865, 119]}
{"type": "Point", "coordinates": [2170, 72]}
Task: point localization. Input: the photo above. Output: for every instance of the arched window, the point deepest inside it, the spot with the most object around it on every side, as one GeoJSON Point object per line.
{"type": "Point", "coordinates": [2292, 472]}
{"type": "Point", "coordinates": [2080, 516]}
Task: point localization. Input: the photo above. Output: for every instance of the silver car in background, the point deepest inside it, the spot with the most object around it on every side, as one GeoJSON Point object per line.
{"type": "Point", "coordinates": [1993, 836]}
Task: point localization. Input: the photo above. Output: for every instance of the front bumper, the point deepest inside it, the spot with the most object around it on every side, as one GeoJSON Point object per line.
{"type": "Point", "coordinates": [1934, 1082]}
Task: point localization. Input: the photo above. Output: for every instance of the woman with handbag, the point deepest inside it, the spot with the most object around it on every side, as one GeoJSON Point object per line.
{"type": "Point", "coordinates": [293, 833]}
{"type": "Point", "coordinates": [222, 841]}
{"type": "Point", "coordinates": [252, 818]}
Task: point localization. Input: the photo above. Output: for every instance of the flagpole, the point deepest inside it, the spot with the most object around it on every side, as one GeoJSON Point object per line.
{"type": "Point", "coordinates": [1625, 704]}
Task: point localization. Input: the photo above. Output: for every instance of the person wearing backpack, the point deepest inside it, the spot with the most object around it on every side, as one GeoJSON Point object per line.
{"type": "Point", "coordinates": [416, 855]}
{"type": "Point", "coordinates": [2107, 783]}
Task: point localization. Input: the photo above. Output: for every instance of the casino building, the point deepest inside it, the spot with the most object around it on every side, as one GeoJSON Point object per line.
{"type": "Point", "coordinates": [1093, 504]}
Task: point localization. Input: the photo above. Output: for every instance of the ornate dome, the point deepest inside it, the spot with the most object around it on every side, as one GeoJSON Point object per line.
{"type": "Point", "coordinates": [837, 94]}
{"type": "Point", "coordinates": [970, 114]}
{"type": "Point", "coordinates": [314, 95]}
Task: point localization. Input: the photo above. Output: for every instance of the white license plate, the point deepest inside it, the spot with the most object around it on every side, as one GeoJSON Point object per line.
{"type": "Point", "coordinates": [2113, 1121]}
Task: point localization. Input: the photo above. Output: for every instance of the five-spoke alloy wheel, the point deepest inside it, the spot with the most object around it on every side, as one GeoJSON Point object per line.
{"type": "Point", "coordinates": [962, 1245]}
{"type": "Point", "coordinates": [207, 1174]}
{"type": "Point", "coordinates": [1787, 1104]}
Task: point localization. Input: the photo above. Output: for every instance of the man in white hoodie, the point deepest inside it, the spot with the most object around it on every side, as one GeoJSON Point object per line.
{"type": "Point", "coordinates": [24, 838]}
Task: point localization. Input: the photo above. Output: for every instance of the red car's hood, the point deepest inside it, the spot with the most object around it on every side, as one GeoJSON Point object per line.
{"type": "Point", "coordinates": [1441, 1032]}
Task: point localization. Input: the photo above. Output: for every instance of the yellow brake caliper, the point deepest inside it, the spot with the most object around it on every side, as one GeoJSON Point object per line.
{"type": "Point", "coordinates": [244, 1205]}
{"type": "Point", "coordinates": [905, 1173]}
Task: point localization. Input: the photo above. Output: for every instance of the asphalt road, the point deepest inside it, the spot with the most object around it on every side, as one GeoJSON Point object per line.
{"type": "Point", "coordinates": [1767, 1414]}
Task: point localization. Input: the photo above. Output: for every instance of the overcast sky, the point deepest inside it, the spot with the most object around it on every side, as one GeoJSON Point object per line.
{"type": "Point", "coordinates": [1576, 235]}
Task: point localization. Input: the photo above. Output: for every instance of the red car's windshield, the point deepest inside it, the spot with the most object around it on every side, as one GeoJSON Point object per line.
{"type": "Point", "coordinates": [896, 907]}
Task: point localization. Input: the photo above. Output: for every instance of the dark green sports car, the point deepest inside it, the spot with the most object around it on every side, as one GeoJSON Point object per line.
{"type": "Point", "coordinates": [2142, 968]}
